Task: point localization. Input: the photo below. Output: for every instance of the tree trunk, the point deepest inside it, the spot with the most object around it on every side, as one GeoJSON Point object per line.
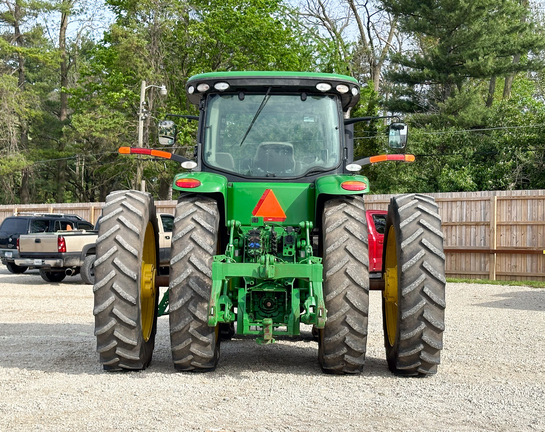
{"type": "Point", "coordinates": [509, 80]}
{"type": "Point", "coordinates": [491, 91]}
{"type": "Point", "coordinates": [18, 11]}
{"type": "Point", "coordinates": [24, 194]}
{"type": "Point", "coordinates": [516, 59]}
{"type": "Point", "coordinates": [63, 109]}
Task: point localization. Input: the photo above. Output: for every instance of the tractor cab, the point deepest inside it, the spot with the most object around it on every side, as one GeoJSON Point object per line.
{"type": "Point", "coordinates": [256, 126]}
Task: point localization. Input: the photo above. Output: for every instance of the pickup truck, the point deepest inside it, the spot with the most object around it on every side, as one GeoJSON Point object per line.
{"type": "Point", "coordinates": [56, 255]}
{"type": "Point", "coordinates": [376, 225]}
{"type": "Point", "coordinates": [67, 253]}
{"type": "Point", "coordinates": [28, 222]}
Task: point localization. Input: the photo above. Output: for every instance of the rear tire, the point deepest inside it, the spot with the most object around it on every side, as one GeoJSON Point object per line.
{"type": "Point", "coordinates": [195, 346]}
{"type": "Point", "coordinates": [52, 276]}
{"type": "Point", "coordinates": [125, 293]}
{"type": "Point", "coordinates": [343, 341]}
{"type": "Point", "coordinates": [413, 301]}
{"type": "Point", "coordinates": [15, 269]}
{"type": "Point", "coordinates": [87, 270]}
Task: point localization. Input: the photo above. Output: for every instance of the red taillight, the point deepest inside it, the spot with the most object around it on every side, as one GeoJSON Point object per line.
{"type": "Point", "coordinates": [61, 242]}
{"type": "Point", "coordinates": [188, 183]}
{"type": "Point", "coordinates": [353, 185]}
{"type": "Point", "coordinates": [17, 243]}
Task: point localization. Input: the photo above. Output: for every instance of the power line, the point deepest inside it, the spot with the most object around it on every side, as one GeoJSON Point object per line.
{"type": "Point", "coordinates": [484, 129]}
{"type": "Point", "coordinates": [460, 131]}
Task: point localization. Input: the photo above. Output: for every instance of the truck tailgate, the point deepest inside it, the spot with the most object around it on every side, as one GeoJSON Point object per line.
{"type": "Point", "coordinates": [38, 243]}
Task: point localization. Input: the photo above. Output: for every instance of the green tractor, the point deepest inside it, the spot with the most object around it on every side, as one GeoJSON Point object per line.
{"type": "Point", "coordinates": [269, 233]}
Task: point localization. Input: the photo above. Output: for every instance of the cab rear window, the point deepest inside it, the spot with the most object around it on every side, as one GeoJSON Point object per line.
{"type": "Point", "coordinates": [168, 222]}
{"type": "Point", "coordinates": [39, 225]}
{"type": "Point", "coordinates": [380, 223]}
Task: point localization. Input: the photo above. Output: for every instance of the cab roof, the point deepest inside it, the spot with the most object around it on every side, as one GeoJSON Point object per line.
{"type": "Point", "coordinates": [346, 87]}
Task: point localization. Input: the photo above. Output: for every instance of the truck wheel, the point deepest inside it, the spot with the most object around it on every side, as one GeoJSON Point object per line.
{"type": "Point", "coordinates": [343, 341]}
{"type": "Point", "coordinates": [15, 269]}
{"type": "Point", "coordinates": [52, 276]}
{"type": "Point", "coordinates": [125, 293]}
{"type": "Point", "coordinates": [413, 303]}
{"type": "Point", "coordinates": [88, 270]}
{"type": "Point", "coordinates": [195, 346]}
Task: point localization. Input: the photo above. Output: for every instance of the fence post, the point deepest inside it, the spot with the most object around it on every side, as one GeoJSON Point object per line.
{"type": "Point", "coordinates": [493, 237]}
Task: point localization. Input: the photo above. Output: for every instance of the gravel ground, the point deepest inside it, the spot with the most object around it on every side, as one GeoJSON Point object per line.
{"type": "Point", "coordinates": [491, 377]}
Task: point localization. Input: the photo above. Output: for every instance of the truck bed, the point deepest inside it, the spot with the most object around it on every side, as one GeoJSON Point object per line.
{"type": "Point", "coordinates": [42, 250]}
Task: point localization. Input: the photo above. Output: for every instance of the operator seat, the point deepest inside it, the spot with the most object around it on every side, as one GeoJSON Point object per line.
{"type": "Point", "coordinates": [274, 158]}
{"type": "Point", "coordinates": [225, 161]}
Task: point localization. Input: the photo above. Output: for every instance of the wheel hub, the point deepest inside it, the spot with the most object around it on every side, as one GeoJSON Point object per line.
{"type": "Point", "coordinates": [390, 293]}
{"type": "Point", "coordinates": [148, 293]}
{"type": "Point", "coordinates": [148, 289]}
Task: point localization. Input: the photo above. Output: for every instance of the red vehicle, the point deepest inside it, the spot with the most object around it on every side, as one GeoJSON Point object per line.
{"type": "Point", "coordinates": [376, 226]}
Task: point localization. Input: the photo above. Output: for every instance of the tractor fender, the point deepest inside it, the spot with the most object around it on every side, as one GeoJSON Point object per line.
{"type": "Point", "coordinates": [203, 183]}
{"type": "Point", "coordinates": [332, 186]}
{"type": "Point", "coordinates": [342, 185]}
{"type": "Point", "coordinates": [200, 183]}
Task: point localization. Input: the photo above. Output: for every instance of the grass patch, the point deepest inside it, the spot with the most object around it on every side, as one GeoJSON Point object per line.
{"type": "Point", "coordinates": [528, 283]}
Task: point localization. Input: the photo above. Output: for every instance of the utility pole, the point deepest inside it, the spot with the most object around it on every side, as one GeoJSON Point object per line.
{"type": "Point", "coordinates": [142, 115]}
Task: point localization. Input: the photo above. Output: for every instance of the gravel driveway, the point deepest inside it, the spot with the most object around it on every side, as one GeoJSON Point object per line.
{"type": "Point", "coordinates": [492, 375]}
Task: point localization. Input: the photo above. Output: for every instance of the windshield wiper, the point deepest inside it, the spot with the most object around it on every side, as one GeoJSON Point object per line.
{"type": "Point", "coordinates": [316, 170]}
{"type": "Point", "coordinates": [263, 103]}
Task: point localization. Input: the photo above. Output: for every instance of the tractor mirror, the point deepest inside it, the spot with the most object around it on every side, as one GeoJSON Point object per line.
{"type": "Point", "coordinates": [167, 132]}
{"type": "Point", "coordinates": [397, 135]}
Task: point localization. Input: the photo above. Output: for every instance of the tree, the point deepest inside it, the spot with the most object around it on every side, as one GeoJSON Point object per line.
{"type": "Point", "coordinates": [363, 56]}
{"type": "Point", "coordinates": [24, 54]}
{"type": "Point", "coordinates": [165, 42]}
{"type": "Point", "coordinates": [457, 41]}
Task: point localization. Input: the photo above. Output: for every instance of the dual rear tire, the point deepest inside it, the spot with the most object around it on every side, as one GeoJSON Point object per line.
{"type": "Point", "coordinates": [125, 295]}
{"type": "Point", "coordinates": [343, 341]}
{"type": "Point", "coordinates": [413, 300]}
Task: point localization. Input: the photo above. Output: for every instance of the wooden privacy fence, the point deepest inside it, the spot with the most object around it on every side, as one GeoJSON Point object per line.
{"type": "Point", "coordinates": [488, 235]}
{"type": "Point", "coordinates": [88, 211]}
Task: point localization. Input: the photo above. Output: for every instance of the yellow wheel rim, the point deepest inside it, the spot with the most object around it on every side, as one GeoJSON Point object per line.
{"type": "Point", "coordinates": [391, 287]}
{"type": "Point", "coordinates": [148, 290]}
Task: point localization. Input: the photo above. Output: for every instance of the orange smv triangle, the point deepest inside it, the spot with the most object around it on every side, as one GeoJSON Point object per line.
{"type": "Point", "coordinates": [269, 208]}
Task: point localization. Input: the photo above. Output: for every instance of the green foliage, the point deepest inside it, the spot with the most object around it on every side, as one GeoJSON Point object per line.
{"type": "Point", "coordinates": [236, 35]}
{"type": "Point", "coordinates": [469, 147]}
{"type": "Point", "coordinates": [181, 40]}
{"type": "Point", "coordinates": [459, 40]}
{"type": "Point", "coordinates": [466, 134]}
{"type": "Point", "coordinates": [523, 283]}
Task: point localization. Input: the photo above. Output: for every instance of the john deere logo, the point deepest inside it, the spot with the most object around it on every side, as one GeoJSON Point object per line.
{"type": "Point", "coordinates": [269, 208]}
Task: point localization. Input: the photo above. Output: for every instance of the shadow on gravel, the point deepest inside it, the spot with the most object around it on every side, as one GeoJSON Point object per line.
{"type": "Point", "coordinates": [32, 277]}
{"type": "Point", "coordinates": [531, 300]}
{"type": "Point", "coordinates": [294, 356]}
{"type": "Point", "coordinates": [70, 349]}
{"type": "Point", "coordinates": [66, 348]}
